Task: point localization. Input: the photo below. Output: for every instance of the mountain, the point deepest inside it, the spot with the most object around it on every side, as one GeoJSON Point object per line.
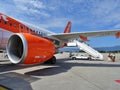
{"type": "Point", "coordinates": [112, 48]}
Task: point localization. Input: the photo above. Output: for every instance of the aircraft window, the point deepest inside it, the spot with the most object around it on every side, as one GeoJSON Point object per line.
{"type": "Point", "coordinates": [21, 27]}
{"type": "Point", "coordinates": [27, 29]}
{"type": "Point", "coordinates": [30, 30]}
{"type": "Point", "coordinates": [33, 31]}
{"type": "Point", "coordinates": [5, 22]}
{"type": "Point", "coordinates": [10, 24]}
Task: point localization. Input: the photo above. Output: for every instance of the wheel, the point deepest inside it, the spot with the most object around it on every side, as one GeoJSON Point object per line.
{"type": "Point", "coordinates": [74, 58]}
{"type": "Point", "coordinates": [51, 61]}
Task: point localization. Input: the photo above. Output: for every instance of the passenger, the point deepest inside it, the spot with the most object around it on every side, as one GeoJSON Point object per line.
{"type": "Point", "coordinates": [90, 57]}
{"type": "Point", "coordinates": [70, 55]}
{"type": "Point", "coordinates": [111, 57]}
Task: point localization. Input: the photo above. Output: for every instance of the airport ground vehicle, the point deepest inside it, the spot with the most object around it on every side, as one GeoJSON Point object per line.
{"type": "Point", "coordinates": [82, 57]}
{"type": "Point", "coordinates": [79, 56]}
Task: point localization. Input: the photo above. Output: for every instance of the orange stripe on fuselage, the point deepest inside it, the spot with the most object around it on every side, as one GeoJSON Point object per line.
{"type": "Point", "coordinates": [13, 25]}
{"type": "Point", "coordinates": [8, 26]}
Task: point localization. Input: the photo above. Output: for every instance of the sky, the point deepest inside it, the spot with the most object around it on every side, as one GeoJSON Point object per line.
{"type": "Point", "coordinates": [85, 15]}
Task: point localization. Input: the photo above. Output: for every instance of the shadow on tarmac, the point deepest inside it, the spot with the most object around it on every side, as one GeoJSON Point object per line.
{"type": "Point", "coordinates": [10, 67]}
{"type": "Point", "coordinates": [18, 81]}
{"type": "Point", "coordinates": [63, 66]}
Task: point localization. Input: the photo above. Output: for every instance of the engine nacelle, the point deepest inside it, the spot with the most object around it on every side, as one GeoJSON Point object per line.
{"type": "Point", "coordinates": [25, 48]}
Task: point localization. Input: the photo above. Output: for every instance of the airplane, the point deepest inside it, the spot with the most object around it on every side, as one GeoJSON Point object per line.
{"type": "Point", "coordinates": [28, 44]}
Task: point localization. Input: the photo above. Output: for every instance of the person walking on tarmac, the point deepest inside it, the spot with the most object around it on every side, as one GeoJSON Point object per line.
{"type": "Point", "coordinates": [112, 57]}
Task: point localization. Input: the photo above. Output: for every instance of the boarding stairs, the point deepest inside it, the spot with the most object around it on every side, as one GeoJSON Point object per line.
{"type": "Point", "coordinates": [94, 53]}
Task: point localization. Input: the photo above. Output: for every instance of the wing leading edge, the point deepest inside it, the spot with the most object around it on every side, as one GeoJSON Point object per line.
{"type": "Point", "coordinates": [69, 36]}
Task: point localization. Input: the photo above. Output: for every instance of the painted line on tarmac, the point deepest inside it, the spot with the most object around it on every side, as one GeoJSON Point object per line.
{"type": "Point", "coordinates": [4, 88]}
{"type": "Point", "coordinates": [118, 81]}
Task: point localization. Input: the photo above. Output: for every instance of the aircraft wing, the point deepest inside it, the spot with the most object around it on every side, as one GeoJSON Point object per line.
{"type": "Point", "coordinates": [69, 36]}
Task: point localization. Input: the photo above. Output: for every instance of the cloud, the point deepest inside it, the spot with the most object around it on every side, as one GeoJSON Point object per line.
{"type": "Point", "coordinates": [85, 15]}
{"type": "Point", "coordinates": [31, 7]}
{"type": "Point", "coordinates": [99, 14]}
{"type": "Point", "coordinates": [82, 13]}
{"type": "Point", "coordinates": [37, 4]}
{"type": "Point", "coordinates": [56, 22]}
{"type": "Point", "coordinates": [117, 26]}
{"type": "Point", "coordinates": [30, 3]}
{"type": "Point", "coordinates": [105, 12]}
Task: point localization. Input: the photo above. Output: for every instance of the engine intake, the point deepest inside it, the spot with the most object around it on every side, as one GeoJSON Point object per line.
{"type": "Point", "coordinates": [17, 48]}
{"type": "Point", "coordinates": [29, 49]}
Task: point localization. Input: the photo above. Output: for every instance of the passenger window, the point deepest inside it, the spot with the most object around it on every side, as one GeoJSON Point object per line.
{"type": "Point", "coordinates": [27, 29]}
{"type": "Point", "coordinates": [33, 31]}
{"type": "Point", "coordinates": [30, 30]}
{"type": "Point", "coordinates": [21, 27]}
{"type": "Point", "coordinates": [10, 24]}
{"type": "Point", "coordinates": [5, 22]}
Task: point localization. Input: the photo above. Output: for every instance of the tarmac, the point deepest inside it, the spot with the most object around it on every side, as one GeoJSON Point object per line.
{"type": "Point", "coordinates": [67, 74]}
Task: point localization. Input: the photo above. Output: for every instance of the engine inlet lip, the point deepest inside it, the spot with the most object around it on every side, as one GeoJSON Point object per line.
{"type": "Point", "coordinates": [25, 49]}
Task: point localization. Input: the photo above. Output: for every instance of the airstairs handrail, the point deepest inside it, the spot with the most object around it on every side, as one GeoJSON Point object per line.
{"type": "Point", "coordinates": [89, 50]}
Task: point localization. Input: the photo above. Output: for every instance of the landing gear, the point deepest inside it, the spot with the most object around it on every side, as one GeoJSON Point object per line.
{"type": "Point", "coordinates": [51, 61]}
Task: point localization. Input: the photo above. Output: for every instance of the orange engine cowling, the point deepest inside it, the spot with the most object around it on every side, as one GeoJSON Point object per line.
{"type": "Point", "coordinates": [29, 49]}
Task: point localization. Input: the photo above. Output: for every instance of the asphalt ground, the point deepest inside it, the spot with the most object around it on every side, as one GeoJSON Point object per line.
{"type": "Point", "coordinates": [67, 74]}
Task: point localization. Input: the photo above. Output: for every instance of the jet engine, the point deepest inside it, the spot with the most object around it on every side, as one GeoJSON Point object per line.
{"type": "Point", "coordinates": [25, 48]}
